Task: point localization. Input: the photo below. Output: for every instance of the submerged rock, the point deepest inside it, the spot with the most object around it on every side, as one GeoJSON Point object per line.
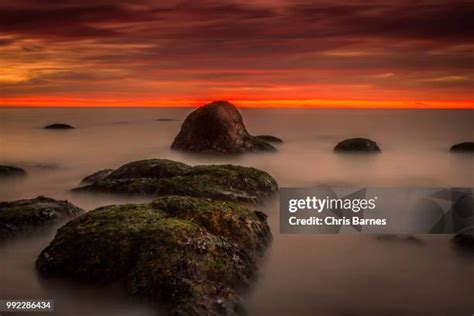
{"type": "Point", "coordinates": [58, 126]}
{"type": "Point", "coordinates": [11, 171]}
{"type": "Point", "coordinates": [463, 147]}
{"type": "Point", "coordinates": [23, 215]}
{"type": "Point", "coordinates": [189, 254]}
{"type": "Point", "coordinates": [217, 127]}
{"type": "Point", "coordinates": [159, 177]}
{"type": "Point", "coordinates": [357, 145]}
{"type": "Point", "coordinates": [270, 138]}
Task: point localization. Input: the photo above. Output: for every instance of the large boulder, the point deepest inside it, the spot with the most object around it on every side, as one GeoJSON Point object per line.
{"type": "Point", "coordinates": [357, 145]}
{"type": "Point", "coordinates": [463, 147]}
{"type": "Point", "coordinates": [157, 177]}
{"type": "Point", "coordinates": [217, 127]}
{"type": "Point", "coordinates": [59, 126]}
{"type": "Point", "coordinates": [11, 171]}
{"type": "Point", "coordinates": [189, 254]}
{"type": "Point", "coordinates": [24, 215]}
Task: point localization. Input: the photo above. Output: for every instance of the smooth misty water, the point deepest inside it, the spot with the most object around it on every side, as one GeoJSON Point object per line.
{"type": "Point", "coordinates": [302, 274]}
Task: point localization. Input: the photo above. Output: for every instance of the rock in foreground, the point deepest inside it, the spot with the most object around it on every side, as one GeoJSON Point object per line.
{"type": "Point", "coordinates": [357, 145]}
{"type": "Point", "coordinates": [159, 177]}
{"type": "Point", "coordinates": [11, 171]}
{"type": "Point", "coordinates": [58, 126]}
{"type": "Point", "coordinates": [463, 147]}
{"type": "Point", "coordinates": [189, 254]}
{"type": "Point", "coordinates": [23, 215]}
{"type": "Point", "coordinates": [217, 127]}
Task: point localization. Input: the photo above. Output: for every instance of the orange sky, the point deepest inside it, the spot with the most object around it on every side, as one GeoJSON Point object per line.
{"type": "Point", "coordinates": [258, 53]}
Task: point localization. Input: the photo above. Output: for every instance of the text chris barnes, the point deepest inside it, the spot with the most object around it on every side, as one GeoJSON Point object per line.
{"type": "Point", "coordinates": [318, 205]}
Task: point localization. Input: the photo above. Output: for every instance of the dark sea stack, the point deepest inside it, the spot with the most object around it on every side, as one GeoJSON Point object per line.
{"type": "Point", "coordinates": [58, 126]}
{"type": "Point", "coordinates": [357, 145]}
{"type": "Point", "coordinates": [11, 172]}
{"type": "Point", "coordinates": [158, 177]}
{"type": "Point", "coordinates": [270, 138]}
{"type": "Point", "coordinates": [217, 127]}
{"type": "Point", "coordinates": [463, 147]}
{"type": "Point", "coordinates": [192, 255]}
{"type": "Point", "coordinates": [23, 215]}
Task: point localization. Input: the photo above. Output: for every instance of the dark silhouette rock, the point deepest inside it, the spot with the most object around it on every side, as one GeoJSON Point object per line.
{"type": "Point", "coordinates": [58, 126]}
{"type": "Point", "coordinates": [217, 127]}
{"type": "Point", "coordinates": [192, 255]}
{"type": "Point", "coordinates": [357, 145]}
{"type": "Point", "coordinates": [463, 147]}
{"type": "Point", "coordinates": [465, 241]}
{"type": "Point", "coordinates": [270, 138]}
{"type": "Point", "coordinates": [11, 171]}
{"type": "Point", "coordinates": [159, 177]}
{"type": "Point", "coordinates": [23, 215]}
{"type": "Point", "coordinates": [166, 119]}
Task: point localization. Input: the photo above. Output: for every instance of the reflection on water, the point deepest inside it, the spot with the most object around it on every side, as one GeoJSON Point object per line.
{"type": "Point", "coordinates": [302, 275]}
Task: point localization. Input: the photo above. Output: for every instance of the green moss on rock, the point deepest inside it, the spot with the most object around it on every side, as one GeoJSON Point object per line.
{"type": "Point", "coordinates": [165, 177]}
{"type": "Point", "coordinates": [190, 254]}
{"type": "Point", "coordinates": [23, 215]}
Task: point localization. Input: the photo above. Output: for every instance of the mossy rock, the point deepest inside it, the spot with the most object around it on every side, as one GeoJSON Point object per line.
{"type": "Point", "coordinates": [158, 177]}
{"type": "Point", "coordinates": [190, 254]}
{"type": "Point", "coordinates": [23, 215]}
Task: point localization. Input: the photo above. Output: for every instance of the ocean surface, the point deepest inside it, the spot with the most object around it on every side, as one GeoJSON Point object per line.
{"type": "Point", "coordinates": [301, 274]}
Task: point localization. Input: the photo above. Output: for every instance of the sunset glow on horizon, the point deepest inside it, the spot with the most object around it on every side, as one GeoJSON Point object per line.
{"type": "Point", "coordinates": [259, 53]}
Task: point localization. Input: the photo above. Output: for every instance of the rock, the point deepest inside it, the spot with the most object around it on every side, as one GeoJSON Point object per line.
{"type": "Point", "coordinates": [166, 119]}
{"type": "Point", "coordinates": [22, 215]}
{"type": "Point", "coordinates": [270, 138]}
{"type": "Point", "coordinates": [58, 126]}
{"type": "Point", "coordinates": [159, 177]}
{"type": "Point", "coordinates": [97, 176]}
{"type": "Point", "coordinates": [463, 147]}
{"type": "Point", "coordinates": [11, 171]}
{"type": "Point", "coordinates": [465, 240]}
{"type": "Point", "coordinates": [217, 127]}
{"type": "Point", "coordinates": [357, 145]}
{"type": "Point", "coordinates": [189, 254]}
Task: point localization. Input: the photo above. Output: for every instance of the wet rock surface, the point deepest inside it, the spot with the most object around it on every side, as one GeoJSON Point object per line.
{"type": "Point", "coordinates": [217, 127]}
{"type": "Point", "coordinates": [190, 254]}
{"type": "Point", "coordinates": [7, 171]}
{"type": "Point", "coordinates": [157, 177]}
{"type": "Point", "coordinates": [463, 147]}
{"type": "Point", "coordinates": [59, 126]}
{"type": "Point", "coordinates": [357, 145]}
{"type": "Point", "coordinates": [24, 215]}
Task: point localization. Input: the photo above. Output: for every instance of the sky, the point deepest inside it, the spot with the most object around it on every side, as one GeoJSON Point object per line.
{"type": "Point", "coordinates": [339, 53]}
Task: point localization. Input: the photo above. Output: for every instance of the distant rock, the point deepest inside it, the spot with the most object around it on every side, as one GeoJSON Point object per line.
{"type": "Point", "coordinates": [58, 126]}
{"type": "Point", "coordinates": [166, 120]}
{"type": "Point", "coordinates": [11, 171]}
{"type": "Point", "coordinates": [463, 147]}
{"type": "Point", "coordinates": [157, 177]}
{"type": "Point", "coordinates": [270, 138]}
{"type": "Point", "coordinates": [192, 255]}
{"type": "Point", "coordinates": [23, 215]}
{"type": "Point", "coordinates": [217, 127]}
{"type": "Point", "coordinates": [357, 145]}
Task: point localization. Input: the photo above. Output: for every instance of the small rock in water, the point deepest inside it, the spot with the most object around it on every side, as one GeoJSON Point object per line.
{"type": "Point", "coordinates": [166, 119]}
{"type": "Point", "coordinates": [58, 126]}
{"type": "Point", "coordinates": [270, 138]}
{"type": "Point", "coordinates": [23, 215]}
{"type": "Point", "coordinates": [463, 147]}
{"type": "Point", "coordinates": [357, 145]}
{"type": "Point", "coordinates": [11, 171]}
{"type": "Point", "coordinates": [217, 127]}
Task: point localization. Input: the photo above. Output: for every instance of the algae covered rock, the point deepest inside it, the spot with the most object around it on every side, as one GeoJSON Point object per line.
{"type": "Point", "coordinates": [217, 127]}
{"type": "Point", "coordinates": [97, 176]}
{"type": "Point", "coordinates": [159, 177]}
{"type": "Point", "coordinates": [22, 215]}
{"type": "Point", "coordinates": [357, 145]}
{"type": "Point", "coordinates": [190, 254]}
{"type": "Point", "coordinates": [11, 172]}
{"type": "Point", "coordinates": [463, 147]}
